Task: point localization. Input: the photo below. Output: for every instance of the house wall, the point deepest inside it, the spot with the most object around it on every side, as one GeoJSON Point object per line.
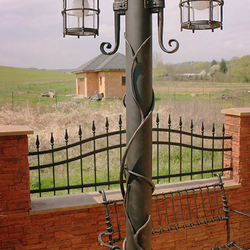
{"type": "Point", "coordinates": [113, 84]}
{"type": "Point", "coordinates": [87, 84]}
{"type": "Point", "coordinates": [92, 83]}
{"type": "Point", "coordinates": [101, 82]}
{"type": "Point", "coordinates": [108, 83]}
{"type": "Point", "coordinates": [80, 84]}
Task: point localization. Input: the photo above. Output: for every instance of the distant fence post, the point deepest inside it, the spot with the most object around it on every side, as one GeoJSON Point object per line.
{"type": "Point", "coordinates": [237, 125]}
{"type": "Point", "coordinates": [14, 169]}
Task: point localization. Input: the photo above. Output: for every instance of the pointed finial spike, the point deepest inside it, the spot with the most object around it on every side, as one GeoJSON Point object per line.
{"type": "Point", "coordinates": [202, 127]}
{"type": "Point", "coordinates": [107, 123]}
{"type": "Point", "coordinates": [192, 125]}
{"type": "Point", "coordinates": [93, 127]}
{"type": "Point", "coordinates": [66, 137]}
{"type": "Point", "coordinates": [223, 128]}
{"type": "Point", "coordinates": [80, 131]}
{"type": "Point", "coordinates": [213, 129]}
{"type": "Point", "coordinates": [157, 119]}
{"type": "Point", "coordinates": [120, 120]}
{"type": "Point", "coordinates": [37, 142]}
{"type": "Point", "coordinates": [52, 139]}
{"type": "Point", "coordinates": [180, 123]}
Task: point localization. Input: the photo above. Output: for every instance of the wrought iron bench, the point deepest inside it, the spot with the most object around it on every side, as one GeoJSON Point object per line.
{"type": "Point", "coordinates": [173, 211]}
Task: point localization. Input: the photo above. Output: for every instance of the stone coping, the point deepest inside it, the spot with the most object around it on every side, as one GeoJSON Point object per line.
{"type": "Point", "coordinates": [244, 111]}
{"type": "Point", "coordinates": [94, 199]}
{"type": "Point", "coordinates": [8, 130]}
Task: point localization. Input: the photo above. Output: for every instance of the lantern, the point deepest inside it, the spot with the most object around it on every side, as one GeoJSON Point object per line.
{"type": "Point", "coordinates": [80, 17]}
{"type": "Point", "coordinates": [201, 14]}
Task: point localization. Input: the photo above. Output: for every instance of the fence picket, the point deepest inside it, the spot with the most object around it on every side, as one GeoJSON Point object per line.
{"type": "Point", "coordinates": [171, 141]}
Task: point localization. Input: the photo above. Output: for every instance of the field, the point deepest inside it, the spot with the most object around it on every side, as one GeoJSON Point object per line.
{"type": "Point", "coordinates": [22, 104]}
{"type": "Point", "coordinates": [21, 85]}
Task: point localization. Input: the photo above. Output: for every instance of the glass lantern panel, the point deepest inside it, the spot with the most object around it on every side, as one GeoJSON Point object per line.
{"type": "Point", "coordinates": [185, 12]}
{"type": "Point", "coordinates": [199, 10]}
{"type": "Point", "coordinates": [216, 11]}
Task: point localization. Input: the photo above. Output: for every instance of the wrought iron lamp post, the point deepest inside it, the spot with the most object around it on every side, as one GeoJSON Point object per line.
{"type": "Point", "coordinates": [137, 160]}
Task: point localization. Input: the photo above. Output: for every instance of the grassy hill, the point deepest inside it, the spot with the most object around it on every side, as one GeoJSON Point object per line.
{"type": "Point", "coordinates": [10, 75]}
{"type": "Point", "coordinates": [238, 71]}
{"type": "Point", "coordinates": [18, 85]}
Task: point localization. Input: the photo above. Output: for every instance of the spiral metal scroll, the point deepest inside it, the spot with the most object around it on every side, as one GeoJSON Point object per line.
{"type": "Point", "coordinates": [123, 170]}
{"type": "Point", "coordinates": [117, 38]}
{"type": "Point", "coordinates": [160, 35]}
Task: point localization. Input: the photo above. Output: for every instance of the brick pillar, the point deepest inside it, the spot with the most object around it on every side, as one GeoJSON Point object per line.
{"type": "Point", "coordinates": [237, 125]}
{"type": "Point", "coordinates": [14, 170]}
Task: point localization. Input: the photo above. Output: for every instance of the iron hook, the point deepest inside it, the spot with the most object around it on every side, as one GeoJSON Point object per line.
{"type": "Point", "coordinates": [160, 35]}
{"type": "Point", "coordinates": [117, 38]}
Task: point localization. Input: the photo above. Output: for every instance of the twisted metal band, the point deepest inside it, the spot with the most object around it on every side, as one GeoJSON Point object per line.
{"type": "Point", "coordinates": [123, 170]}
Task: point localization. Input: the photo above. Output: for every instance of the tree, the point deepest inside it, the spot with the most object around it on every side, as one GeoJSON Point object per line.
{"type": "Point", "coordinates": [223, 66]}
{"type": "Point", "coordinates": [241, 70]}
{"type": "Point", "coordinates": [160, 73]}
{"type": "Point", "coordinates": [214, 62]}
{"type": "Point", "coordinates": [157, 59]}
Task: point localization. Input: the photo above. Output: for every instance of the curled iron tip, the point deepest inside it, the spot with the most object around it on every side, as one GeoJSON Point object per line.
{"type": "Point", "coordinates": [160, 36]}
{"type": "Point", "coordinates": [107, 45]}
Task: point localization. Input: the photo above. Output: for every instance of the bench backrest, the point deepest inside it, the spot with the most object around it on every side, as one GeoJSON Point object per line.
{"type": "Point", "coordinates": [172, 210]}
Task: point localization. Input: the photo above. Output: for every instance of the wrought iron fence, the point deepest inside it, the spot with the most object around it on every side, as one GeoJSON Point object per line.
{"type": "Point", "coordinates": [95, 162]}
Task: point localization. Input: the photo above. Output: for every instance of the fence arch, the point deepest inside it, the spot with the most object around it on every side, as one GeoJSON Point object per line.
{"type": "Point", "coordinates": [95, 162]}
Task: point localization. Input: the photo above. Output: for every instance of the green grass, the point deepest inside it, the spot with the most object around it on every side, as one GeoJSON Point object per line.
{"type": "Point", "coordinates": [18, 86]}
{"type": "Point", "coordinates": [14, 76]}
{"type": "Point", "coordinates": [234, 94]}
{"type": "Point", "coordinates": [102, 176]}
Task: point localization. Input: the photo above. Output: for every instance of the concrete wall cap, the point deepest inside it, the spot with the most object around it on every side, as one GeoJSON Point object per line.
{"type": "Point", "coordinates": [8, 130]}
{"type": "Point", "coordinates": [244, 111]}
{"type": "Point", "coordinates": [94, 199]}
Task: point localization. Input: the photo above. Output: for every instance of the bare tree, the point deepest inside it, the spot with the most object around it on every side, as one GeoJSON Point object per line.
{"type": "Point", "coordinates": [157, 59]}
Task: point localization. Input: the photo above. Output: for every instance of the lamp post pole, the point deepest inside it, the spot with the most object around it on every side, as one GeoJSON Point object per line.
{"type": "Point", "coordinates": [139, 159]}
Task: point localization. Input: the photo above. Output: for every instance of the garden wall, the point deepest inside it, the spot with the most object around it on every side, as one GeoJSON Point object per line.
{"type": "Point", "coordinates": [74, 221]}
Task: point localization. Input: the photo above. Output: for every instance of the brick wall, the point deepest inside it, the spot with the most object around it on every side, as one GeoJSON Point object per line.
{"type": "Point", "coordinates": [113, 84]}
{"type": "Point", "coordinates": [14, 181]}
{"type": "Point", "coordinates": [80, 84]}
{"type": "Point", "coordinates": [91, 86]}
{"type": "Point", "coordinates": [88, 84]}
{"type": "Point", "coordinates": [78, 228]}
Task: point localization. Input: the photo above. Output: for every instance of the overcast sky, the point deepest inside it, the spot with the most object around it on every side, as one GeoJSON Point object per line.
{"type": "Point", "coordinates": [31, 35]}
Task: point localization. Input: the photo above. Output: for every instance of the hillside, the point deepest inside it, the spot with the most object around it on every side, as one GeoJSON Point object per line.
{"type": "Point", "coordinates": [238, 70]}
{"type": "Point", "coordinates": [10, 75]}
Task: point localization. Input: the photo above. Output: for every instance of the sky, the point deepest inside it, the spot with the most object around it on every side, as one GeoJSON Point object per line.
{"type": "Point", "coordinates": [31, 35]}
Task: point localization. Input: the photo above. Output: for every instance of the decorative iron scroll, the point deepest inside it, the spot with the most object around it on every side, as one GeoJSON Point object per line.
{"type": "Point", "coordinates": [123, 170]}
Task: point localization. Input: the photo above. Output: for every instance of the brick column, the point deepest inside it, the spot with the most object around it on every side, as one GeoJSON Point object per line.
{"type": "Point", "coordinates": [237, 125]}
{"type": "Point", "coordinates": [14, 170]}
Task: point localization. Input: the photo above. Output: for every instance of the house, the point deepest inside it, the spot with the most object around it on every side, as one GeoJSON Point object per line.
{"type": "Point", "coordinates": [104, 75]}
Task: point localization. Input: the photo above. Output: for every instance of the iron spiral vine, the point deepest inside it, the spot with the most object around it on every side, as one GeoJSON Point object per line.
{"type": "Point", "coordinates": [123, 170]}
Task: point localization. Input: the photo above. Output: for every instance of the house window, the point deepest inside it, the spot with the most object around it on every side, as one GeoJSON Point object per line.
{"type": "Point", "coordinates": [100, 81]}
{"type": "Point", "coordinates": [123, 80]}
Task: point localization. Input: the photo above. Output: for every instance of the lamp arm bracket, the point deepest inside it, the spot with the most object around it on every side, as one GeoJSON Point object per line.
{"type": "Point", "coordinates": [117, 38]}
{"type": "Point", "coordinates": [154, 5]}
{"type": "Point", "coordinates": [160, 35]}
{"type": "Point", "coordinates": [120, 6]}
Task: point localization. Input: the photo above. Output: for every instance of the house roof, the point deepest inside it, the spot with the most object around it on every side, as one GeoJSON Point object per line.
{"type": "Point", "coordinates": [103, 62]}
